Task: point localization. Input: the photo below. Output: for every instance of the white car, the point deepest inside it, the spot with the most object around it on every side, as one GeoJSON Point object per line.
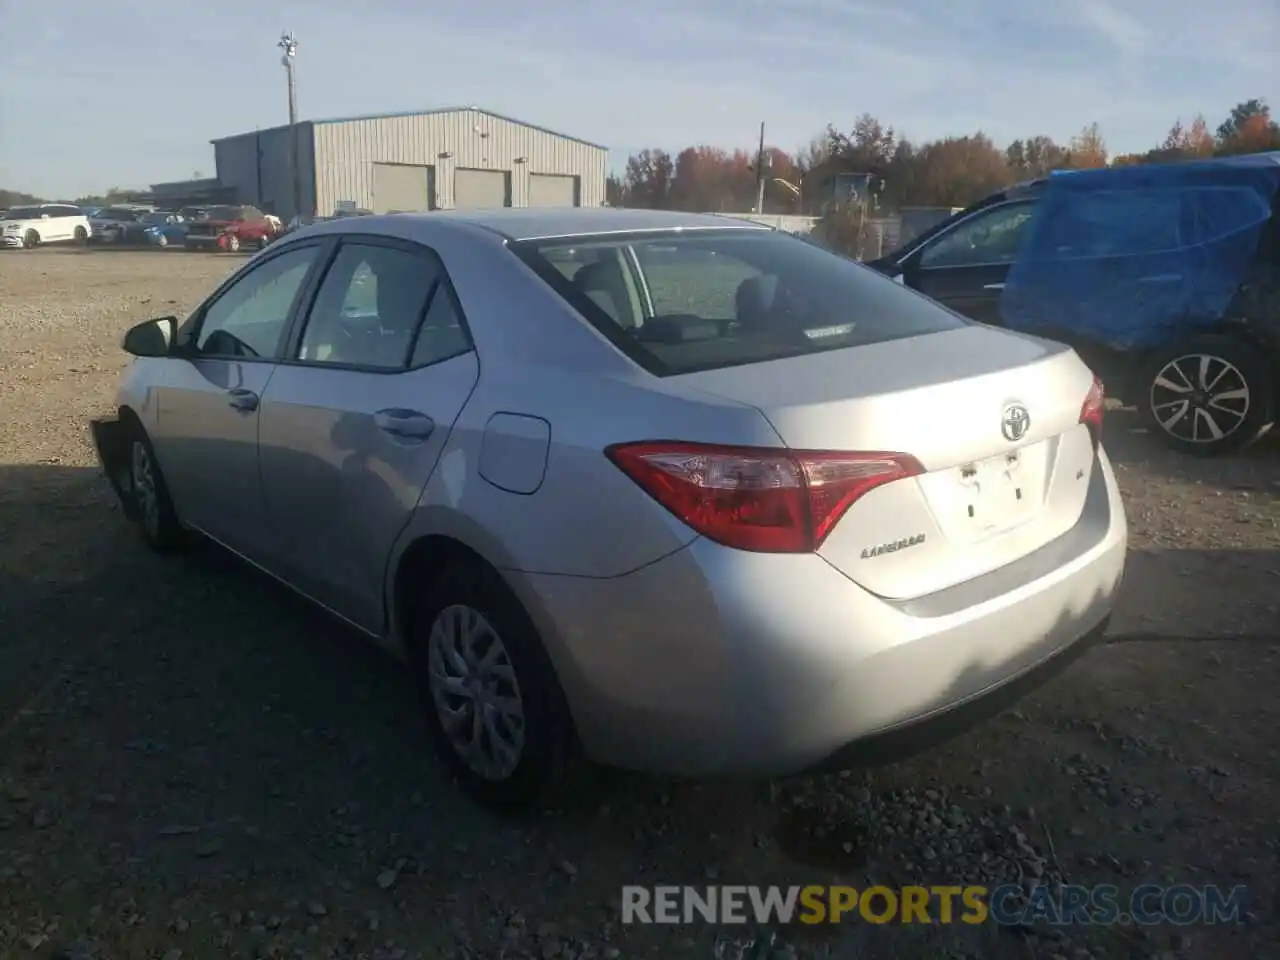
{"type": "Point", "coordinates": [31, 226]}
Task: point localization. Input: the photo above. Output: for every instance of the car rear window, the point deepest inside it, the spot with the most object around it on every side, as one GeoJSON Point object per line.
{"type": "Point", "coordinates": [684, 301]}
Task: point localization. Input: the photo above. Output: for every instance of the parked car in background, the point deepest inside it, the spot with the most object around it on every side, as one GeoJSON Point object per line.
{"type": "Point", "coordinates": [41, 223]}
{"type": "Point", "coordinates": [91, 212]}
{"type": "Point", "coordinates": [1166, 280]}
{"type": "Point", "coordinates": [193, 213]}
{"type": "Point", "coordinates": [117, 224]}
{"type": "Point", "coordinates": [719, 503]}
{"type": "Point", "coordinates": [162, 228]}
{"type": "Point", "coordinates": [232, 228]}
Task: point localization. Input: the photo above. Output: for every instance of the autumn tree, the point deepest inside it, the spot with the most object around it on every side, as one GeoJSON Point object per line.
{"type": "Point", "coordinates": [1088, 150]}
{"type": "Point", "coordinates": [957, 171]}
{"type": "Point", "coordinates": [1036, 157]}
{"type": "Point", "coordinates": [648, 179]}
{"type": "Point", "coordinates": [1248, 129]}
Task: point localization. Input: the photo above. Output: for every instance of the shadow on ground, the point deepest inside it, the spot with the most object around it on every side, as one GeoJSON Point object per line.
{"type": "Point", "coordinates": [186, 739]}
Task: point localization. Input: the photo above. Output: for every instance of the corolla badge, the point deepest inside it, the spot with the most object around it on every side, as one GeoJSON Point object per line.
{"type": "Point", "coordinates": [1015, 422]}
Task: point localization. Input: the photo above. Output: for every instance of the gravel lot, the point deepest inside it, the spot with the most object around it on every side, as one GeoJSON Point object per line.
{"type": "Point", "coordinates": [192, 763]}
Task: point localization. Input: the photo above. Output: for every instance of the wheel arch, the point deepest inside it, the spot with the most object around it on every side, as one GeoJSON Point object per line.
{"type": "Point", "coordinates": [439, 536]}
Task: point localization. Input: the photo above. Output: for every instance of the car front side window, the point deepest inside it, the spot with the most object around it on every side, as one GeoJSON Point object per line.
{"type": "Point", "coordinates": [369, 307]}
{"type": "Point", "coordinates": [993, 237]}
{"type": "Point", "coordinates": [248, 319]}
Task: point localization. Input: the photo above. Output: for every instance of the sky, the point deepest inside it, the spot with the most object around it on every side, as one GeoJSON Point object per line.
{"type": "Point", "coordinates": [102, 93]}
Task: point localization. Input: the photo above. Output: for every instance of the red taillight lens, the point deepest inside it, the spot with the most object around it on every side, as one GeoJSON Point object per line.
{"type": "Point", "coordinates": [1092, 410]}
{"type": "Point", "coordinates": [759, 499]}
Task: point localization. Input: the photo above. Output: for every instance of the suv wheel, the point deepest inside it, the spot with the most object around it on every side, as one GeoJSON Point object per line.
{"type": "Point", "coordinates": [31, 240]}
{"type": "Point", "coordinates": [232, 243]}
{"type": "Point", "coordinates": [1208, 396]}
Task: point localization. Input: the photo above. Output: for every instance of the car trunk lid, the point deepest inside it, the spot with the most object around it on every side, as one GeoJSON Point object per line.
{"type": "Point", "coordinates": [993, 418]}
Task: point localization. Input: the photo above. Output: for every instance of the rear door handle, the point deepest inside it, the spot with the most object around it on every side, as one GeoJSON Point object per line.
{"type": "Point", "coordinates": [406, 424]}
{"type": "Point", "coordinates": [243, 400]}
{"type": "Point", "coordinates": [993, 286]}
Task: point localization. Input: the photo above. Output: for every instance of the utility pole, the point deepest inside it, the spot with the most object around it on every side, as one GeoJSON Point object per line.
{"type": "Point", "coordinates": [290, 47]}
{"type": "Point", "coordinates": [760, 173]}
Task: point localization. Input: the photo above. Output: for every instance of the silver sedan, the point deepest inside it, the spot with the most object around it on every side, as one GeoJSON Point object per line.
{"type": "Point", "coordinates": [676, 492]}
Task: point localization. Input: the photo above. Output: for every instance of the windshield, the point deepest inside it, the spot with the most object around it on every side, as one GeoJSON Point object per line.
{"type": "Point", "coordinates": [223, 213]}
{"type": "Point", "coordinates": [681, 302]}
{"type": "Point", "coordinates": [23, 213]}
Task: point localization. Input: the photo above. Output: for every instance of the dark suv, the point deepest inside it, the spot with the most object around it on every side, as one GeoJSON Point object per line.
{"type": "Point", "coordinates": [1165, 279]}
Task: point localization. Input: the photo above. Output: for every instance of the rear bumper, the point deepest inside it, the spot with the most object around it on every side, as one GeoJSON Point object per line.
{"type": "Point", "coordinates": [714, 661]}
{"type": "Point", "coordinates": [111, 443]}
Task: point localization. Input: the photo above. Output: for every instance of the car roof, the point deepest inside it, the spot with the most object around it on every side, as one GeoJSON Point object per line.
{"type": "Point", "coordinates": [528, 223]}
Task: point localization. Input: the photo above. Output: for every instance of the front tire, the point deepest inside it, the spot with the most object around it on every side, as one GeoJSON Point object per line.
{"type": "Point", "coordinates": [31, 240]}
{"type": "Point", "coordinates": [232, 243]}
{"type": "Point", "coordinates": [1209, 396]}
{"type": "Point", "coordinates": [494, 708]}
{"type": "Point", "coordinates": [156, 517]}
{"type": "Point", "coordinates": [162, 240]}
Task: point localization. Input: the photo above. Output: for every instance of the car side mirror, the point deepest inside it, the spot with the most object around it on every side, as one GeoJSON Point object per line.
{"type": "Point", "coordinates": [151, 338]}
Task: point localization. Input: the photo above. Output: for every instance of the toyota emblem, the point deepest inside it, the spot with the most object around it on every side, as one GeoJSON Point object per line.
{"type": "Point", "coordinates": [1015, 423]}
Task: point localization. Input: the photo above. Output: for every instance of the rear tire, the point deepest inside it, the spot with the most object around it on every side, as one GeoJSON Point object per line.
{"type": "Point", "coordinates": [1208, 396]}
{"type": "Point", "coordinates": [495, 711]}
{"type": "Point", "coordinates": [157, 518]}
{"type": "Point", "coordinates": [82, 236]}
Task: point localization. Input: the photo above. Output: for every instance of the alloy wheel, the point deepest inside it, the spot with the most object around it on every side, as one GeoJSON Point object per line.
{"type": "Point", "coordinates": [1200, 398]}
{"type": "Point", "coordinates": [475, 693]}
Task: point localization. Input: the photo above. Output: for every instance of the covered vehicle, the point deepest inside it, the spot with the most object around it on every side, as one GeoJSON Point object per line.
{"type": "Point", "coordinates": [1165, 278]}
{"type": "Point", "coordinates": [232, 228]}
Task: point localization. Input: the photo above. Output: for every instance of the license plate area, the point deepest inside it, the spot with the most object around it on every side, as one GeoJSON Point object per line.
{"type": "Point", "coordinates": [995, 494]}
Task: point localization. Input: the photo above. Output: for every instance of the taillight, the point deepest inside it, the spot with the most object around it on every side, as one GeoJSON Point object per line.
{"type": "Point", "coordinates": [1093, 408]}
{"type": "Point", "coordinates": [760, 499]}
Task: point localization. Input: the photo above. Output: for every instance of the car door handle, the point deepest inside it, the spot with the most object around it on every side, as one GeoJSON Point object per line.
{"type": "Point", "coordinates": [242, 399]}
{"type": "Point", "coordinates": [406, 424]}
{"type": "Point", "coordinates": [993, 286]}
{"type": "Point", "coordinates": [1161, 278]}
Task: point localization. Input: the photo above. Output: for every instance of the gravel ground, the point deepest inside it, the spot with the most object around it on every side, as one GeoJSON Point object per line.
{"type": "Point", "coordinates": [194, 764]}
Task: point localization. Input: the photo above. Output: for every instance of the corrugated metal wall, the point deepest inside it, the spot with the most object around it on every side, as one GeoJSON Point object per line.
{"type": "Point", "coordinates": [345, 152]}
{"type": "Point", "coordinates": [256, 165]}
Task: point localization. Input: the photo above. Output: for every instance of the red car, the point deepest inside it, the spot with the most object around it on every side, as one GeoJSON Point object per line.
{"type": "Point", "coordinates": [232, 228]}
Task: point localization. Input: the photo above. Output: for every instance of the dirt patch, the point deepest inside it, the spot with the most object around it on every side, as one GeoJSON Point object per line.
{"type": "Point", "coordinates": [191, 760]}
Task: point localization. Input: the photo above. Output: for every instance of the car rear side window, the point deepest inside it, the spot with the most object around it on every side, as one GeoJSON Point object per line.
{"type": "Point", "coordinates": [685, 301]}
{"type": "Point", "coordinates": [384, 308]}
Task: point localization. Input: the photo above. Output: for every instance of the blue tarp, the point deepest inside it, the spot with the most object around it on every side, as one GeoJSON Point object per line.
{"type": "Point", "coordinates": [1132, 256]}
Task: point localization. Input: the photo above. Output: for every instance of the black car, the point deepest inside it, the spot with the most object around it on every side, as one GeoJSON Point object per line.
{"type": "Point", "coordinates": [1165, 279]}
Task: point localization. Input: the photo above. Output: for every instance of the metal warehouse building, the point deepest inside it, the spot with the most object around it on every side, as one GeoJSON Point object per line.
{"type": "Point", "coordinates": [455, 158]}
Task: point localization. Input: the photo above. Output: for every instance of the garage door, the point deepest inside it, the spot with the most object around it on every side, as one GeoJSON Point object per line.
{"type": "Point", "coordinates": [481, 189]}
{"type": "Point", "coordinates": [552, 190]}
{"type": "Point", "coordinates": [403, 186]}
